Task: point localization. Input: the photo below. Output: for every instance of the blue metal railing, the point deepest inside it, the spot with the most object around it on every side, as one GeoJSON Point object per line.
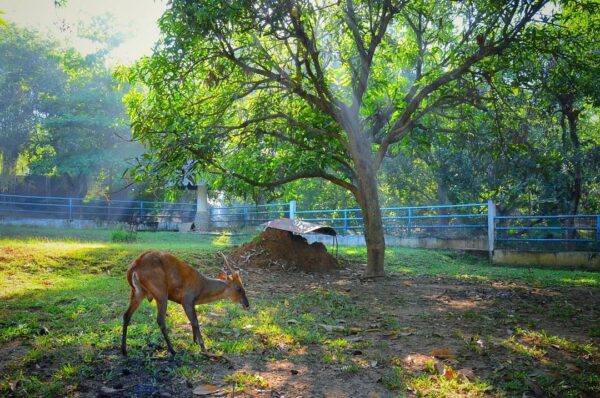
{"type": "Point", "coordinates": [412, 221]}
{"type": "Point", "coordinates": [526, 232]}
{"type": "Point", "coordinates": [246, 216]}
{"type": "Point", "coordinates": [96, 209]}
{"type": "Point", "coordinates": [139, 212]}
{"type": "Point", "coordinates": [548, 233]}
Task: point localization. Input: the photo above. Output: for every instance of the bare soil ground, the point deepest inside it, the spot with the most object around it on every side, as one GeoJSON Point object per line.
{"type": "Point", "coordinates": [412, 324]}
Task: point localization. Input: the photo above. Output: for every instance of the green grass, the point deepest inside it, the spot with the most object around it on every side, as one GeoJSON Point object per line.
{"type": "Point", "coordinates": [457, 265]}
{"type": "Point", "coordinates": [63, 292]}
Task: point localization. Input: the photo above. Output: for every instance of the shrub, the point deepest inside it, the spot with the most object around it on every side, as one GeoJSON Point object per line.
{"type": "Point", "coordinates": [121, 235]}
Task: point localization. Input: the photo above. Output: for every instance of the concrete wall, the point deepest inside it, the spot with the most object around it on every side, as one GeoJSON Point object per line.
{"type": "Point", "coordinates": [390, 240]}
{"type": "Point", "coordinates": [559, 259]}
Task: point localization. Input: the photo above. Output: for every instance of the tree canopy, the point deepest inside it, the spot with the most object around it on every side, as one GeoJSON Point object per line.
{"type": "Point", "coordinates": [264, 93]}
{"type": "Point", "coordinates": [61, 113]}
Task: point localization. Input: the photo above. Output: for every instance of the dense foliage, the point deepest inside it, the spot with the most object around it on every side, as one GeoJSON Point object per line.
{"type": "Point", "coordinates": [260, 94]}
{"type": "Point", "coordinates": [61, 114]}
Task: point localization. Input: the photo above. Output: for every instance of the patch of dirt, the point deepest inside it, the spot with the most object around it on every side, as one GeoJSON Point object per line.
{"type": "Point", "coordinates": [11, 352]}
{"type": "Point", "coordinates": [283, 249]}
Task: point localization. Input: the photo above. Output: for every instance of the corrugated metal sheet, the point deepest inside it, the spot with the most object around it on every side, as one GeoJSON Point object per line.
{"type": "Point", "coordinates": [300, 227]}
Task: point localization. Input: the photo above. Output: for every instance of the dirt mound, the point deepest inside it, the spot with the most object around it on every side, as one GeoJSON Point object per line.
{"type": "Point", "coordinates": [284, 249]}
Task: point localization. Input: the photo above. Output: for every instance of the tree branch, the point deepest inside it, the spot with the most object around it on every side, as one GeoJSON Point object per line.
{"type": "Point", "coordinates": [404, 121]}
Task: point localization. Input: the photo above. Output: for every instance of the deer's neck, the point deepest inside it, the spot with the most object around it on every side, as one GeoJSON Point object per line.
{"type": "Point", "coordinates": [213, 290]}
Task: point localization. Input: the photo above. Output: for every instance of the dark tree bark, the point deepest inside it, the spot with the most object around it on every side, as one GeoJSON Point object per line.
{"type": "Point", "coordinates": [367, 197]}
{"type": "Point", "coordinates": [572, 155]}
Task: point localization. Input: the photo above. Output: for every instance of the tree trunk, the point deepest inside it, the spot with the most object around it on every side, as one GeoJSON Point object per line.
{"type": "Point", "coordinates": [8, 172]}
{"type": "Point", "coordinates": [572, 150]}
{"type": "Point", "coordinates": [374, 234]}
{"type": "Point", "coordinates": [576, 187]}
{"type": "Point", "coordinates": [77, 185]}
{"type": "Point", "coordinates": [442, 196]}
{"type": "Point", "coordinates": [368, 199]}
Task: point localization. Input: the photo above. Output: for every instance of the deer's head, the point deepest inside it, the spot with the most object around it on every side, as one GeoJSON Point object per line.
{"type": "Point", "coordinates": [235, 287]}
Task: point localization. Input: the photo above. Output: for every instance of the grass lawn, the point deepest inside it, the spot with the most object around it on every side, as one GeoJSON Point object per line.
{"type": "Point", "coordinates": [441, 324]}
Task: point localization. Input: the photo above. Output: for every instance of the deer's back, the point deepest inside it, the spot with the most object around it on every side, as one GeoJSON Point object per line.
{"type": "Point", "coordinates": [164, 271]}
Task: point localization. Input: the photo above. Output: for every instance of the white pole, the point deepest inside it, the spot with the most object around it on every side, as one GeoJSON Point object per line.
{"type": "Point", "coordinates": [491, 227]}
{"type": "Point", "coordinates": [292, 209]}
{"type": "Point", "coordinates": [202, 217]}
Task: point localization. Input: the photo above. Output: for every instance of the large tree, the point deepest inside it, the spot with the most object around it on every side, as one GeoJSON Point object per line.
{"type": "Point", "coordinates": [29, 73]}
{"type": "Point", "coordinates": [84, 129]}
{"type": "Point", "coordinates": [61, 113]}
{"type": "Point", "coordinates": [268, 92]}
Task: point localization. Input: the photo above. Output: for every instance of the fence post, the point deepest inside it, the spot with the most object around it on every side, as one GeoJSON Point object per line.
{"type": "Point", "coordinates": [409, 226]}
{"type": "Point", "coordinates": [141, 211]}
{"type": "Point", "coordinates": [598, 233]}
{"type": "Point", "coordinates": [292, 209]}
{"type": "Point", "coordinates": [491, 227]}
{"type": "Point", "coordinates": [70, 208]}
{"type": "Point", "coordinates": [345, 221]}
{"type": "Point", "coordinates": [202, 219]}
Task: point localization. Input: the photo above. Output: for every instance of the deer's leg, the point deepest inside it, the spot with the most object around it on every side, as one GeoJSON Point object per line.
{"type": "Point", "coordinates": [190, 311]}
{"type": "Point", "coordinates": [134, 302]}
{"type": "Point", "coordinates": [161, 314]}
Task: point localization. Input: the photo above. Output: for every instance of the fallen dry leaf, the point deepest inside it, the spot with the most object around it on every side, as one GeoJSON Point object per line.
{"type": "Point", "coordinates": [332, 328]}
{"type": "Point", "coordinates": [449, 374]}
{"type": "Point", "coordinates": [467, 373]}
{"type": "Point", "coordinates": [390, 336]}
{"type": "Point", "coordinates": [439, 367]}
{"type": "Point", "coordinates": [108, 390]}
{"type": "Point", "coordinates": [407, 283]}
{"type": "Point", "coordinates": [537, 390]}
{"type": "Point", "coordinates": [206, 389]}
{"type": "Point", "coordinates": [417, 361]}
{"type": "Point", "coordinates": [442, 353]}
{"type": "Point", "coordinates": [572, 368]}
{"type": "Point", "coordinates": [355, 339]}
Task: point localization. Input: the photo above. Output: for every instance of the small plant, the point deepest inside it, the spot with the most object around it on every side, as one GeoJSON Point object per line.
{"type": "Point", "coordinates": [121, 235]}
{"type": "Point", "coordinates": [352, 368]}
{"type": "Point", "coordinates": [244, 379]}
{"type": "Point", "coordinates": [393, 379]}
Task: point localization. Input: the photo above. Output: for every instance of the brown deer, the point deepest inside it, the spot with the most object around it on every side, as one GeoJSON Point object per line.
{"type": "Point", "coordinates": [163, 277]}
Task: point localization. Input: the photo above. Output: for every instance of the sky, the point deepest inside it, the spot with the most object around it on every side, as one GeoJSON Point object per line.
{"type": "Point", "coordinates": [135, 19]}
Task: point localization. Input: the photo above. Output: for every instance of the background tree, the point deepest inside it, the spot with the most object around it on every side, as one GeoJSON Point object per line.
{"type": "Point", "coordinates": [61, 113]}
{"type": "Point", "coordinates": [513, 139]}
{"type": "Point", "coordinates": [565, 82]}
{"type": "Point", "coordinates": [83, 128]}
{"type": "Point", "coordinates": [29, 74]}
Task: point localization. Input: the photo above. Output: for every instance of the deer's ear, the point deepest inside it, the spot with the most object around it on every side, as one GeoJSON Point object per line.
{"type": "Point", "coordinates": [223, 276]}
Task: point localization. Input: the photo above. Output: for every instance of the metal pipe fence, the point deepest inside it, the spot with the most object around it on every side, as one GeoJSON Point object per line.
{"type": "Point", "coordinates": [462, 221]}
{"type": "Point", "coordinates": [243, 216]}
{"type": "Point", "coordinates": [466, 220]}
{"type": "Point", "coordinates": [130, 211]}
{"type": "Point", "coordinates": [548, 233]}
